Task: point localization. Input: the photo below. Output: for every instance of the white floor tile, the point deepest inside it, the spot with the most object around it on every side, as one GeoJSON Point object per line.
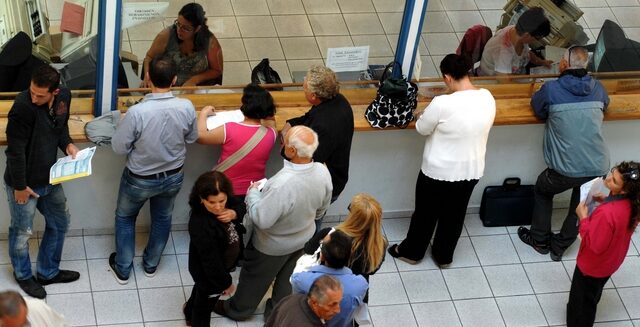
{"type": "Point", "coordinates": [328, 24]}
{"type": "Point", "coordinates": [292, 25]}
{"type": "Point", "coordinates": [508, 280]}
{"type": "Point", "coordinates": [141, 243]}
{"type": "Point", "coordinates": [81, 285]}
{"type": "Point", "coordinates": [570, 266]}
{"type": "Point", "coordinates": [627, 275]}
{"type": "Point", "coordinates": [467, 283]}
{"type": "Point", "coordinates": [436, 22]}
{"type": "Point", "coordinates": [167, 274]}
{"type": "Point", "coordinates": [474, 226]}
{"type": "Point", "coordinates": [626, 323]}
{"type": "Point", "coordinates": [495, 250]}
{"type": "Point", "coordinates": [396, 229]}
{"type": "Point", "coordinates": [450, 5]}
{"type": "Point", "coordinates": [554, 306]}
{"type": "Point", "coordinates": [367, 23]}
{"type": "Point", "coordinates": [595, 17]}
{"type": "Point", "coordinates": [181, 241]}
{"type": "Point", "coordinates": [521, 311]}
{"type": "Point", "coordinates": [349, 6]}
{"type": "Point", "coordinates": [479, 313]}
{"type": "Point", "coordinates": [464, 255]}
{"type": "Point", "coordinates": [392, 6]}
{"type": "Point", "coordinates": [386, 289]}
{"type": "Point", "coordinates": [99, 246]}
{"type": "Point", "coordinates": [425, 264]}
{"type": "Point", "coordinates": [392, 315]}
{"type": "Point", "coordinates": [631, 297]}
{"type": "Point", "coordinates": [162, 303]}
{"type": "Point", "coordinates": [627, 16]}
{"type": "Point", "coordinates": [425, 286]}
{"type": "Point", "coordinates": [321, 6]}
{"type": "Point", "coordinates": [610, 307]}
{"type": "Point", "coordinates": [250, 7]}
{"type": "Point", "coordinates": [462, 20]}
{"type": "Point", "coordinates": [256, 26]}
{"type": "Point", "coordinates": [623, 3]}
{"type": "Point", "coordinates": [280, 7]}
{"type": "Point", "coordinates": [172, 323]}
{"type": "Point", "coordinates": [73, 248]}
{"type": "Point", "coordinates": [548, 277]}
{"type": "Point", "coordinates": [77, 308]}
{"type": "Point", "coordinates": [388, 265]}
{"type": "Point", "coordinates": [115, 307]}
{"type": "Point", "coordinates": [436, 314]}
{"type": "Point", "coordinates": [102, 279]}
{"type": "Point", "coordinates": [183, 265]}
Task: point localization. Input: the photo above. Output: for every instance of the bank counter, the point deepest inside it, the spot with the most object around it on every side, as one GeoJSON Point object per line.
{"type": "Point", "coordinates": [384, 163]}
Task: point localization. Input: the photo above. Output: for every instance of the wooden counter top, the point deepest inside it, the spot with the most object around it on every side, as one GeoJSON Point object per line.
{"type": "Point", "coordinates": [512, 101]}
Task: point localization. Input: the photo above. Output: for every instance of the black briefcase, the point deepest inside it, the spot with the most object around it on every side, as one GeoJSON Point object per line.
{"type": "Point", "coordinates": [510, 204]}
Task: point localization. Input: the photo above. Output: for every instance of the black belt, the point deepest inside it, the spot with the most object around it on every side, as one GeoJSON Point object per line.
{"type": "Point", "coordinates": [163, 174]}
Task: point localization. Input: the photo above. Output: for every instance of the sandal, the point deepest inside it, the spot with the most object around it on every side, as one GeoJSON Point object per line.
{"type": "Point", "coordinates": [393, 251]}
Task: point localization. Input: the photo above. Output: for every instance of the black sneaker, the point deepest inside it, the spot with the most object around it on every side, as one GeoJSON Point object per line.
{"type": "Point", "coordinates": [150, 272]}
{"type": "Point", "coordinates": [32, 288]}
{"type": "Point", "coordinates": [555, 256]}
{"type": "Point", "coordinates": [63, 276]}
{"type": "Point", "coordinates": [112, 264]}
{"type": "Point", "coordinates": [525, 236]}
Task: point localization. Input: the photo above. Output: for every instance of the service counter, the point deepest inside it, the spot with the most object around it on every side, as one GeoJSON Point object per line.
{"type": "Point", "coordinates": [384, 163]}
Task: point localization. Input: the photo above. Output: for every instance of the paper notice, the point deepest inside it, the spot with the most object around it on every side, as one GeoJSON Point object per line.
{"type": "Point", "coordinates": [591, 188]}
{"type": "Point", "coordinates": [72, 20]}
{"type": "Point", "coordinates": [222, 117]}
{"type": "Point", "coordinates": [348, 59]}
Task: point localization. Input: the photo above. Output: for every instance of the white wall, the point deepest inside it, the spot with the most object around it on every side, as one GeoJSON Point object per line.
{"type": "Point", "coordinates": [383, 163]}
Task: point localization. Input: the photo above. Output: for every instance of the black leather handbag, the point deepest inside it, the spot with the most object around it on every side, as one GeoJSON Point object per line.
{"type": "Point", "coordinates": [395, 101]}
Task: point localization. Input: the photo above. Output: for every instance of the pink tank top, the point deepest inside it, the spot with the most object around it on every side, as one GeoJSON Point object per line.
{"type": "Point", "coordinates": [252, 166]}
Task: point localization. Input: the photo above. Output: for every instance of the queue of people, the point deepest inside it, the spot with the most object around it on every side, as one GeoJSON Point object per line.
{"type": "Point", "coordinates": [278, 220]}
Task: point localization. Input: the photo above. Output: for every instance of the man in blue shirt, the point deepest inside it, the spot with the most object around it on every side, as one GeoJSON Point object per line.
{"type": "Point", "coordinates": [152, 134]}
{"type": "Point", "coordinates": [574, 149]}
{"type": "Point", "coordinates": [334, 256]}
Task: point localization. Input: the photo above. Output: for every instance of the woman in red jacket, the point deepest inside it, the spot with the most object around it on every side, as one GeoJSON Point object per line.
{"type": "Point", "coordinates": [606, 235]}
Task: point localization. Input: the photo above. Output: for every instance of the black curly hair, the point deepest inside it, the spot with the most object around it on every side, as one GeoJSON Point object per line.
{"type": "Point", "coordinates": [630, 171]}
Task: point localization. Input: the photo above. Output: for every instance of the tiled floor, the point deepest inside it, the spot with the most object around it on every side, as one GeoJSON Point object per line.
{"type": "Point", "coordinates": [494, 280]}
{"type": "Point", "coordinates": [295, 34]}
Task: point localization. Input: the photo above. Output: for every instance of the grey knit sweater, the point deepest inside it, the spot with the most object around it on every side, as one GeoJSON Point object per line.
{"type": "Point", "coordinates": [283, 213]}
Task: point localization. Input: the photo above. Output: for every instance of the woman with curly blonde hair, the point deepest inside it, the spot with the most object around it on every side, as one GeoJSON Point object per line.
{"type": "Point", "coordinates": [364, 226]}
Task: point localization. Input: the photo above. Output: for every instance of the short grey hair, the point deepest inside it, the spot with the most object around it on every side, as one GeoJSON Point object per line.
{"type": "Point", "coordinates": [10, 302]}
{"type": "Point", "coordinates": [322, 82]}
{"type": "Point", "coordinates": [577, 57]}
{"type": "Point", "coordinates": [320, 287]}
{"type": "Point", "coordinates": [296, 138]}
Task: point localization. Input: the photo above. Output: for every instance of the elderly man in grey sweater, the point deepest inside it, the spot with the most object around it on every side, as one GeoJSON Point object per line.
{"type": "Point", "coordinates": [283, 216]}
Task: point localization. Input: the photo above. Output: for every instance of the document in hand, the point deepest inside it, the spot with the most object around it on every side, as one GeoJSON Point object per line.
{"type": "Point", "coordinates": [221, 117]}
{"type": "Point", "coordinates": [591, 188]}
{"type": "Point", "coordinates": [66, 169]}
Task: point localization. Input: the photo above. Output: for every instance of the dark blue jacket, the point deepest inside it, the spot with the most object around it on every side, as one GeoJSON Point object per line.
{"type": "Point", "coordinates": [573, 107]}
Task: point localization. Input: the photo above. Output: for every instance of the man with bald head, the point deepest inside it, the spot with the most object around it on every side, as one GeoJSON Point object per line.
{"type": "Point", "coordinates": [16, 311]}
{"type": "Point", "coordinates": [283, 216]}
{"type": "Point", "coordinates": [574, 148]}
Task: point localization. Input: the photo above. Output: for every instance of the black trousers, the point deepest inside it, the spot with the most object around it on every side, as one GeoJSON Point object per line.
{"type": "Point", "coordinates": [444, 203]}
{"type": "Point", "coordinates": [549, 184]}
{"type": "Point", "coordinates": [199, 306]}
{"type": "Point", "coordinates": [583, 299]}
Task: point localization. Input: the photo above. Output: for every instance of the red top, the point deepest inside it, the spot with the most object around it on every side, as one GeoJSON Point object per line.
{"type": "Point", "coordinates": [252, 166]}
{"type": "Point", "coordinates": [605, 238]}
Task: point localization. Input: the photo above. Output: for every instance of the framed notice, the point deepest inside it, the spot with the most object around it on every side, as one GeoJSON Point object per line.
{"type": "Point", "coordinates": [348, 59]}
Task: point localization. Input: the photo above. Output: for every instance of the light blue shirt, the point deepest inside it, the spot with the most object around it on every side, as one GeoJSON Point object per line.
{"type": "Point", "coordinates": [354, 288]}
{"type": "Point", "coordinates": [153, 134]}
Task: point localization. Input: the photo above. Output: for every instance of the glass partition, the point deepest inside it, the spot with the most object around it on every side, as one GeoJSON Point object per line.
{"type": "Point", "coordinates": [62, 33]}
{"type": "Point", "coordinates": [293, 34]}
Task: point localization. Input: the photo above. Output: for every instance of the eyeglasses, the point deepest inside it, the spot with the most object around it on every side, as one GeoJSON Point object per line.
{"type": "Point", "coordinates": [633, 174]}
{"type": "Point", "coordinates": [184, 28]}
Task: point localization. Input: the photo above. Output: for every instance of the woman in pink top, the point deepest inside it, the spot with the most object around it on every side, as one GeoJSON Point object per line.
{"type": "Point", "coordinates": [606, 235]}
{"type": "Point", "coordinates": [257, 105]}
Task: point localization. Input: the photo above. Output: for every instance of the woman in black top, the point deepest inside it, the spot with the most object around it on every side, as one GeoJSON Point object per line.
{"type": "Point", "coordinates": [215, 244]}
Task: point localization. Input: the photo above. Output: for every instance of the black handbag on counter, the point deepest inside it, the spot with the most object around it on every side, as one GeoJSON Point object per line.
{"type": "Point", "coordinates": [510, 204]}
{"type": "Point", "coordinates": [395, 101]}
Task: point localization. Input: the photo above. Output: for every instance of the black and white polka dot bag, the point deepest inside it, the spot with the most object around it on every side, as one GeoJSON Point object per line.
{"type": "Point", "coordinates": [395, 102]}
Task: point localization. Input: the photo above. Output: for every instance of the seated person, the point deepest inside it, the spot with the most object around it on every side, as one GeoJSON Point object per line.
{"type": "Point", "coordinates": [507, 52]}
{"type": "Point", "coordinates": [192, 46]}
{"type": "Point", "coordinates": [334, 257]}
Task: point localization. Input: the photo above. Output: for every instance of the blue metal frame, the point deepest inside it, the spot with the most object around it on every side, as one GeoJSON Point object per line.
{"type": "Point", "coordinates": [102, 66]}
{"type": "Point", "coordinates": [403, 37]}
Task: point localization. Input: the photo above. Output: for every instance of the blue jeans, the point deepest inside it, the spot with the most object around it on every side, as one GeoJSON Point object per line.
{"type": "Point", "coordinates": [52, 205]}
{"type": "Point", "coordinates": [134, 192]}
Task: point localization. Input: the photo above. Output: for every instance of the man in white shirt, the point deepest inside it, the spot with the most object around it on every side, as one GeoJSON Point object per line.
{"type": "Point", "coordinates": [16, 311]}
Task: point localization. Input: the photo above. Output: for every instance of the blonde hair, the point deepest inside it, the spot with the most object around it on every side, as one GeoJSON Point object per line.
{"type": "Point", "coordinates": [364, 226]}
{"type": "Point", "coordinates": [322, 82]}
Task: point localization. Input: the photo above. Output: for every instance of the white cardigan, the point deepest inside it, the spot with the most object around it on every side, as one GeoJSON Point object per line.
{"type": "Point", "coordinates": [457, 127]}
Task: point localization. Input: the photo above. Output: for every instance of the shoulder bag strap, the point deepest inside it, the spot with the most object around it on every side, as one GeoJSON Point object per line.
{"type": "Point", "coordinates": [243, 151]}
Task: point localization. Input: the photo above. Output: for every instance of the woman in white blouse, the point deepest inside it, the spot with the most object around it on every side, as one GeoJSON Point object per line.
{"type": "Point", "coordinates": [457, 127]}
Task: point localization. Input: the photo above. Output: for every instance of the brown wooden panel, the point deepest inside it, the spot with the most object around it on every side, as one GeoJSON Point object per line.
{"type": "Point", "coordinates": [80, 106]}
